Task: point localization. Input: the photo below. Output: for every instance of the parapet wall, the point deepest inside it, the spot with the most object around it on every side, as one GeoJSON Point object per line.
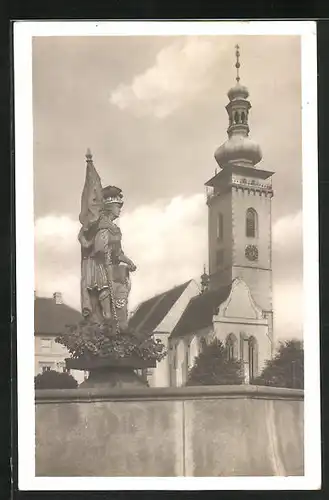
{"type": "Point", "coordinates": [191, 431]}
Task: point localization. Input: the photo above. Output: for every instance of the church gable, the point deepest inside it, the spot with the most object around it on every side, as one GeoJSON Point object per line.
{"type": "Point", "coordinates": [240, 303]}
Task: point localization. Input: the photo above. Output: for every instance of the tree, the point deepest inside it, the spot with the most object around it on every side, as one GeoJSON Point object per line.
{"type": "Point", "coordinates": [54, 380]}
{"type": "Point", "coordinates": [286, 368]}
{"type": "Point", "coordinates": [212, 367]}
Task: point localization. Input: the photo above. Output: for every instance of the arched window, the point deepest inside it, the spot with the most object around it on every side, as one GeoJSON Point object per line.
{"type": "Point", "coordinates": [251, 223]}
{"type": "Point", "coordinates": [202, 344]}
{"type": "Point", "coordinates": [253, 358]}
{"type": "Point", "coordinates": [188, 352]}
{"type": "Point", "coordinates": [186, 359]}
{"type": "Point", "coordinates": [243, 117]}
{"type": "Point", "coordinates": [172, 358]}
{"type": "Point", "coordinates": [231, 346]}
{"type": "Point", "coordinates": [220, 226]}
{"type": "Point", "coordinates": [173, 355]}
{"type": "Point", "coordinates": [236, 117]}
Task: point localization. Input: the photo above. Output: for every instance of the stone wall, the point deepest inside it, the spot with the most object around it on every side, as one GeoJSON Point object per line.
{"type": "Point", "coordinates": [193, 431]}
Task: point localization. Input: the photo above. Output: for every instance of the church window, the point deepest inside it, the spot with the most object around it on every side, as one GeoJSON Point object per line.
{"type": "Point", "coordinates": [252, 355]}
{"type": "Point", "coordinates": [231, 346]}
{"type": "Point", "coordinates": [220, 227]}
{"type": "Point", "coordinates": [202, 344]}
{"type": "Point", "coordinates": [172, 354]}
{"type": "Point", "coordinates": [251, 223]}
{"type": "Point", "coordinates": [219, 258]}
{"type": "Point", "coordinates": [236, 117]}
{"type": "Point", "coordinates": [187, 360]}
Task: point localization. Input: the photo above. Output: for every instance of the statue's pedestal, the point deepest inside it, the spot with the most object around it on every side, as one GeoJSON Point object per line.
{"type": "Point", "coordinates": [109, 372]}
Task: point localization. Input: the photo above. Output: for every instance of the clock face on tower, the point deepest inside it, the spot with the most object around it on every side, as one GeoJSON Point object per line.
{"type": "Point", "coordinates": [251, 252]}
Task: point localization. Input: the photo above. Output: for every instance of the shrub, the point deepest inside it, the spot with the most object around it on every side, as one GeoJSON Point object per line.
{"type": "Point", "coordinates": [212, 367]}
{"type": "Point", "coordinates": [54, 380]}
{"type": "Point", "coordinates": [286, 368]}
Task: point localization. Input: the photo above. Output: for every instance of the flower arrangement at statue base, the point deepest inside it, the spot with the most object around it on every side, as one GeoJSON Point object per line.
{"type": "Point", "coordinates": [93, 345]}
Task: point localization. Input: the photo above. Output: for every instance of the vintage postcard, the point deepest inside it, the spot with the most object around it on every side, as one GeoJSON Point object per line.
{"type": "Point", "coordinates": [167, 255]}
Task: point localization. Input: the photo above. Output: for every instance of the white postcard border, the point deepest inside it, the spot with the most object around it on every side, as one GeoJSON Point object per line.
{"type": "Point", "coordinates": [23, 32]}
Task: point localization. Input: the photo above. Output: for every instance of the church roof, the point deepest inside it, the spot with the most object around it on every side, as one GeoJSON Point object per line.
{"type": "Point", "coordinates": [151, 312]}
{"type": "Point", "coordinates": [200, 310]}
{"type": "Point", "coordinates": [51, 318]}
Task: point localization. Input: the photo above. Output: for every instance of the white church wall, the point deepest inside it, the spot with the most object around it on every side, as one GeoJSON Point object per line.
{"type": "Point", "coordinates": [186, 349]}
{"type": "Point", "coordinates": [194, 350]}
{"type": "Point", "coordinates": [161, 376]}
{"type": "Point", "coordinates": [240, 315]}
{"type": "Point", "coordinates": [259, 331]}
{"type": "Point", "coordinates": [180, 370]}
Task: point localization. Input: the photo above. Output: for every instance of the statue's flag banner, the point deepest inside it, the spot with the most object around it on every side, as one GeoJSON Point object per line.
{"type": "Point", "coordinates": [91, 197]}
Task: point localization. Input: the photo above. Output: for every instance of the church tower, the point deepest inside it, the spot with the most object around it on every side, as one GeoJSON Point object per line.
{"type": "Point", "coordinates": [239, 201]}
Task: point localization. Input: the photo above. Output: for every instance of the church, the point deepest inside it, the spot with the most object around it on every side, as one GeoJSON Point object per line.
{"type": "Point", "coordinates": [234, 301]}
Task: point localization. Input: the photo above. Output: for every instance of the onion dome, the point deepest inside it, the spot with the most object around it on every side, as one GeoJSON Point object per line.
{"type": "Point", "coordinates": [238, 92]}
{"type": "Point", "coordinates": [239, 149]}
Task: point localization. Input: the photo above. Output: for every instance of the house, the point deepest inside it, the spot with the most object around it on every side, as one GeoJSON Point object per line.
{"type": "Point", "coordinates": [51, 316]}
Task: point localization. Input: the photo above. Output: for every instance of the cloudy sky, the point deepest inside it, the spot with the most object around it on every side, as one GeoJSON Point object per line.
{"type": "Point", "coordinates": [152, 110]}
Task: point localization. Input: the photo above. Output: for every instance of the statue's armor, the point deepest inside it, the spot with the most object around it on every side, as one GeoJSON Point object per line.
{"type": "Point", "coordinates": [103, 276]}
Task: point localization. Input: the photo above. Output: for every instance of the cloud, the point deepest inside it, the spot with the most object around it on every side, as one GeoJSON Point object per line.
{"type": "Point", "coordinates": [288, 309]}
{"type": "Point", "coordinates": [57, 257]}
{"type": "Point", "coordinates": [181, 71]}
{"type": "Point", "coordinates": [288, 226]}
{"type": "Point", "coordinates": [288, 273]}
{"type": "Point", "coordinates": [168, 243]}
{"type": "Point", "coordinates": [54, 232]}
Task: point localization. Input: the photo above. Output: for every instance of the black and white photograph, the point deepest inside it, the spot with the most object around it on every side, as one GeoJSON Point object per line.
{"type": "Point", "coordinates": [167, 255]}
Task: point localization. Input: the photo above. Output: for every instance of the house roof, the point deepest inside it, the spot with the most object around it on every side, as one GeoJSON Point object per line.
{"type": "Point", "coordinates": [151, 312]}
{"type": "Point", "coordinates": [200, 310]}
{"type": "Point", "coordinates": [51, 318]}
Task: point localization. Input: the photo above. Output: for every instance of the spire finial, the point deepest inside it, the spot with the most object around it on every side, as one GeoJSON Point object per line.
{"type": "Point", "coordinates": [204, 280]}
{"type": "Point", "coordinates": [89, 156]}
{"type": "Point", "coordinates": [237, 64]}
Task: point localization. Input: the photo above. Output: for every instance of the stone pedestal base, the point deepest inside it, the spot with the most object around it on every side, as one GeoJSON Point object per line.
{"type": "Point", "coordinates": [114, 377]}
{"type": "Point", "coordinates": [107, 372]}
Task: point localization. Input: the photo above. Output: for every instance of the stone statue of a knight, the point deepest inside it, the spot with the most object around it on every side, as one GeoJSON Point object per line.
{"type": "Point", "coordinates": [105, 281]}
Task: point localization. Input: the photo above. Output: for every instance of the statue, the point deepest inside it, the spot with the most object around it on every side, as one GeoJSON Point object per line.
{"type": "Point", "coordinates": [103, 343]}
{"type": "Point", "coordinates": [105, 269]}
